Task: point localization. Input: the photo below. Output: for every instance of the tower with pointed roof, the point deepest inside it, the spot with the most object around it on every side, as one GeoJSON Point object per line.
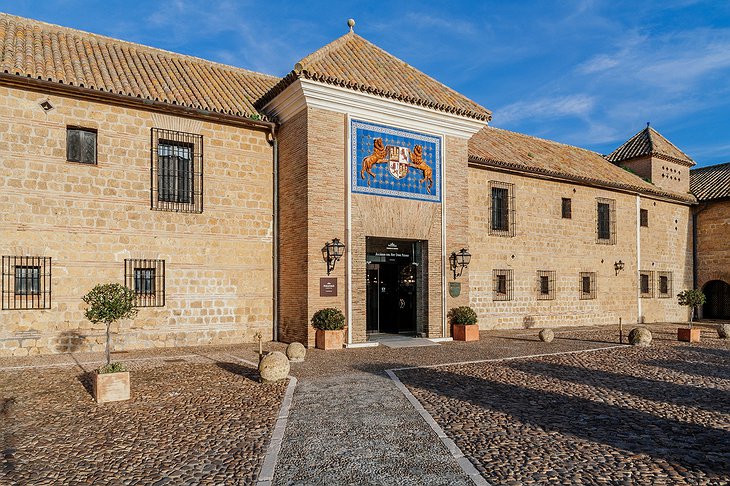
{"type": "Point", "coordinates": [655, 159]}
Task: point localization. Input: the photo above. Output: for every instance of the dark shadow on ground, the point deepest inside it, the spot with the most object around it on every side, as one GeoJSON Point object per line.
{"type": "Point", "coordinates": [237, 369]}
{"type": "Point", "coordinates": [709, 399]}
{"type": "Point", "coordinates": [720, 353]}
{"type": "Point", "coordinates": [714, 370]}
{"type": "Point", "coordinates": [87, 380]}
{"type": "Point", "coordinates": [7, 438]}
{"type": "Point", "coordinates": [632, 430]}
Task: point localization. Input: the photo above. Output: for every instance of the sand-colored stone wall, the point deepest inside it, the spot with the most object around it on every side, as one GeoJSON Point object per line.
{"type": "Point", "coordinates": [90, 218]}
{"type": "Point", "coordinates": [713, 242]}
{"type": "Point", "coordinates": [545, 241]}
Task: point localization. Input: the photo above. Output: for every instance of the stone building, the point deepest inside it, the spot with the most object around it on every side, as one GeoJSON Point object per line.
{"type": "Point", "coordinates": [217, 193]}
{"type": "Point", "coordinates": [711, 185]}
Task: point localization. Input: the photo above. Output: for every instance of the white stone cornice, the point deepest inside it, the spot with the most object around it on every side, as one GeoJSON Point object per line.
{"type": "Point", "coordinates": [311, 94]}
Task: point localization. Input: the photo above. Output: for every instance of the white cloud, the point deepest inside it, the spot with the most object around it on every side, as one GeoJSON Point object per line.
{"type": "Point", "coordinates": [578, 105]}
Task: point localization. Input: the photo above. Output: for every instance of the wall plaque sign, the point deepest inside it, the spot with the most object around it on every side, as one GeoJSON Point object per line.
{"type": "Point", "coordinates": [328, 287]}
{"type": "Point", "coordinates": [393, 162]}
{"type": "Point", "coordinates": [454, 289]}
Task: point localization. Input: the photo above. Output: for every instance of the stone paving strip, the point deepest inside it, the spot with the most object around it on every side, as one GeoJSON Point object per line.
{"type": "Point", "coordinates": [657, 415]}
{"type": "Point", "coordinates": [201, 419]}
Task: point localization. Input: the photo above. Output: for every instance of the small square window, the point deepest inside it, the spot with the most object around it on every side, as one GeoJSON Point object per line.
{"type": "Point", "coordinates": [587, 285]}
{"type": "Point", "coordinates": [644, 217]}
{"type": "Point", "coordinates": [81, 145]}
{"type": "Point", "coordinates": [26, 282]}
{"type": "Point", "coordinates": [147, 279]}
{"type": "Point", "coordinates": [502, 285]}
{"type": "Point", "coordinates": [567, 211]}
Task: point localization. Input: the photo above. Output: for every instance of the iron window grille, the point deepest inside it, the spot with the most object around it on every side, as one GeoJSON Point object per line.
{"type": "Point", "coordinates": [502, 284]}
{"type": "Point", "coordinates": [567, 210]}
{"type": "Point", "coordinates": [587, 285]}
{"type": "Point", "coordinates": [501, 209]}
{"type": "Point", "coordinates": [147, 279]}
{"type": "Point", "coordinates": [176, 173]}
{"type": "Point", "coordinates": [646, 284]}
{"type": "Point", "coordinates": [606, 221]}
{"type": "Point", "coordinates": [545, 285]}
{"type": "Point", "coordinates": [81, 145]}
{"type": "Point", "coordinates": [26, 282]}
{"type": "Point", "coordinates": [644, 217]}
{"type": "Point", "coordinates": [665, 285]}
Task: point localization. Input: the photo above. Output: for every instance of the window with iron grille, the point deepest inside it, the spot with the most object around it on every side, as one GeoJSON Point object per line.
{"type": "Point", "coordinates": [567, 210]}
{"type": "Point", "coordinates": [501, 284]}
{"type": "Point", "coordinates": [81, 145]}
{"type": "Point", "coordinates": [26, 282]}
{"type": "Point", "coordinates": [646, 284]}
{"type": "Point", "coordinates": [147, 279]}
{"type": "Point", "coordinates": [545, 285]}
{"type": "Point", "coordinates": [665, 285]}
{"type": "Point", "coordinates": [606, 221]}
{"type": "Point", "coordinates": [501, 209]}
{"type": "Point", "coordinates": [587, 285]}
{"type": "Point", "coordinates": [177, 171]}
{"type": "Point", "coordinates": [644, 217]}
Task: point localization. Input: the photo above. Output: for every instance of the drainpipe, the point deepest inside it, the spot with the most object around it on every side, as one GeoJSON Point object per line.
{"type": "Point", "coordinates": [274, 142]}
{"type": "Point", "coordinates": [638, 258]}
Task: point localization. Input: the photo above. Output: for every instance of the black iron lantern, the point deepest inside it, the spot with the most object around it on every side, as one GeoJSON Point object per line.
{"type": "Point", "coordinates": [459, 261]}
{"type": "Point", "coordinates": [618, 266]}
{"type": "Point", "coordinates": [332, 251]}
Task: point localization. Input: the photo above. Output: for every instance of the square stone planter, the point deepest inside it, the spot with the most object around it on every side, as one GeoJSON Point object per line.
{"type": "Point", "coordinates": [111, 387]}
{"type": "Point", "coordinates": [330, 339]}
{"type": "Point", "coordinates": [688, 335]}
{"type": "Point", "coordinates": [465, 332]}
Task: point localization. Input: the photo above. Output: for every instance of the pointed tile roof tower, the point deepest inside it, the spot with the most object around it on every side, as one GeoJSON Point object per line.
{"type": "Point", "coordinates": [351, 62]}
{"type": "Point", "coordinates": [656, 159]}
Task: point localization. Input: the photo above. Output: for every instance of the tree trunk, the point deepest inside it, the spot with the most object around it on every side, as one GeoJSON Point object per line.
{"type": "Point", "coordinates": [108, 343]}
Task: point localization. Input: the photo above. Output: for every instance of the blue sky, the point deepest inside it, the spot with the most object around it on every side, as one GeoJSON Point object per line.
{"type": "Point", "coordinates": [586, 73]}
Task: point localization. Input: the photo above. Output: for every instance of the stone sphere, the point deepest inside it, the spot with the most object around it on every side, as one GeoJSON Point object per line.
{"type": "Point", "coordinates": [723, 331]}
{"type": "Point", "coordinates": [547, 335]}
{"type": "Point", "coordinates": [640, 336]}
{"type": "Point", "coordinates": [274, 367]}
{"type": "Point", "coordinates": [296, 352]}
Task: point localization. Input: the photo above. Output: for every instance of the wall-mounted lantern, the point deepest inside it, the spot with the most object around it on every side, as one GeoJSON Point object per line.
{"type": "Point", "coordinates": [618, 266]}
{"type": "Point", "coordinates": [459, 261]}
{"type": "Point", "coordinates": [332, 251]}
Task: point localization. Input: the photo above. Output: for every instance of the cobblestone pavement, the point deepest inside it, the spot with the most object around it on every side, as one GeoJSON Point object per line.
{"type": "Point", "coordinates": [657, 415]}
{"type": "Point", "coordinates": [192, 420]}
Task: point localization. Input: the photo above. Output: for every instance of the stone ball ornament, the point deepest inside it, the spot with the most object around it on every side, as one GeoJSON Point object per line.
{"type": "Point", "coordinates": [640, 336]}
{"type": "Point", "coordinates": [547, 335]}
{"type": "Point", "coordinates": [274, 367]}
{"type": "Point", "coordinates": [296, 352]}
{"type": "Point", "coordinates": [723, 331]}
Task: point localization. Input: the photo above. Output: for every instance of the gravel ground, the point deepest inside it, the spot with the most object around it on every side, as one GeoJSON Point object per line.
{"type": "Point", "coordinates": [195, 420]}
{"type": "Point", "coordinates": [657, 415]}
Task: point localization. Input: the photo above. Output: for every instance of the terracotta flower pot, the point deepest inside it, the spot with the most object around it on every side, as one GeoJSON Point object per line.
{"type": "Point", "coordinates": [465, 332]}
{"type": "Point", "coordinates": [688, 335]}
{"type": "Point", "coordinates": [111, 387]}
{"type": "Point", "coordinates": [330, 339]}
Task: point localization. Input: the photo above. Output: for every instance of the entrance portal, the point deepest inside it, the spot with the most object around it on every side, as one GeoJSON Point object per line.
{"type": "Point", "coordinates": [718, 300]}
{"type": "Point", "coordinates": [395, 272]}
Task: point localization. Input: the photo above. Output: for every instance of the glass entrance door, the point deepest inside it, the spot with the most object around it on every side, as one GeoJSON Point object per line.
{"type": "Point", "coordinates": [392, 285]}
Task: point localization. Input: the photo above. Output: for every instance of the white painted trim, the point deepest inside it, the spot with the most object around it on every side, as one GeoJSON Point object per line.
{"type": "Point", "coordinates": [638, 258]}
{"type": "Point", "coordinates": [441, 339]}
{"type": "Point", "coordinates": [348, 231]}
{"type": "Point", "coordinates": [444, 251]}
{"type": "Point", "coordinates": [312, 94]}
{"type": "Point", "coordinates": [450, 445]}
{"type": "Point", "coordinates": [368, 344]}
{"type": "Point", "coordinates": [268, 465]}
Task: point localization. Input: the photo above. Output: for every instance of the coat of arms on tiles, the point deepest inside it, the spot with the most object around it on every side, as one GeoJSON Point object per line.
{"type": "Point", "coordinates": [394, 162]}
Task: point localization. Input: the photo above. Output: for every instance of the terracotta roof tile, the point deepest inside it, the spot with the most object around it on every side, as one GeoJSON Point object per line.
{"type": "Point", "coordinates": [649, 142]}
{"type": "Point", "coordinates": [353, 62]}
{"type": "Point", "coordinates": [712, 182]}
{"type": "Point", "coordinates": [502, 148]}
{"type": "Point", "coordinates": [29, 48]}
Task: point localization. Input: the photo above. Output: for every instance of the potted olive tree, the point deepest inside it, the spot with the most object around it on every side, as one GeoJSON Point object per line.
{"type": "Point", "coordinates": [464, 324]}
{"type": "Point", "coordinates": [109, 303]}
{"type": "Point", "coordinates": [692, 299]}
{"type": "Point", "coordinates": [330, 325]}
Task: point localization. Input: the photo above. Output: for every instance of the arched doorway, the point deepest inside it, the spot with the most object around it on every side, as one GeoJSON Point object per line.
{"type": "Point", "coordinates": [718, 300]}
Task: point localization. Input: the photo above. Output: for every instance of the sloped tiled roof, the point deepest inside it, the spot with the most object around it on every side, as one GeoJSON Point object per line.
{"type": "Point", "coordinates": [496, 147]}
{"type": "Point", "coordinates": [649, 142]}
{"type": "Point", "coordinates": [712, 182]}
{"type": "Point", "coordinates": [33, 49]}
{"type": "Point", "coordinates": [353, 62]}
